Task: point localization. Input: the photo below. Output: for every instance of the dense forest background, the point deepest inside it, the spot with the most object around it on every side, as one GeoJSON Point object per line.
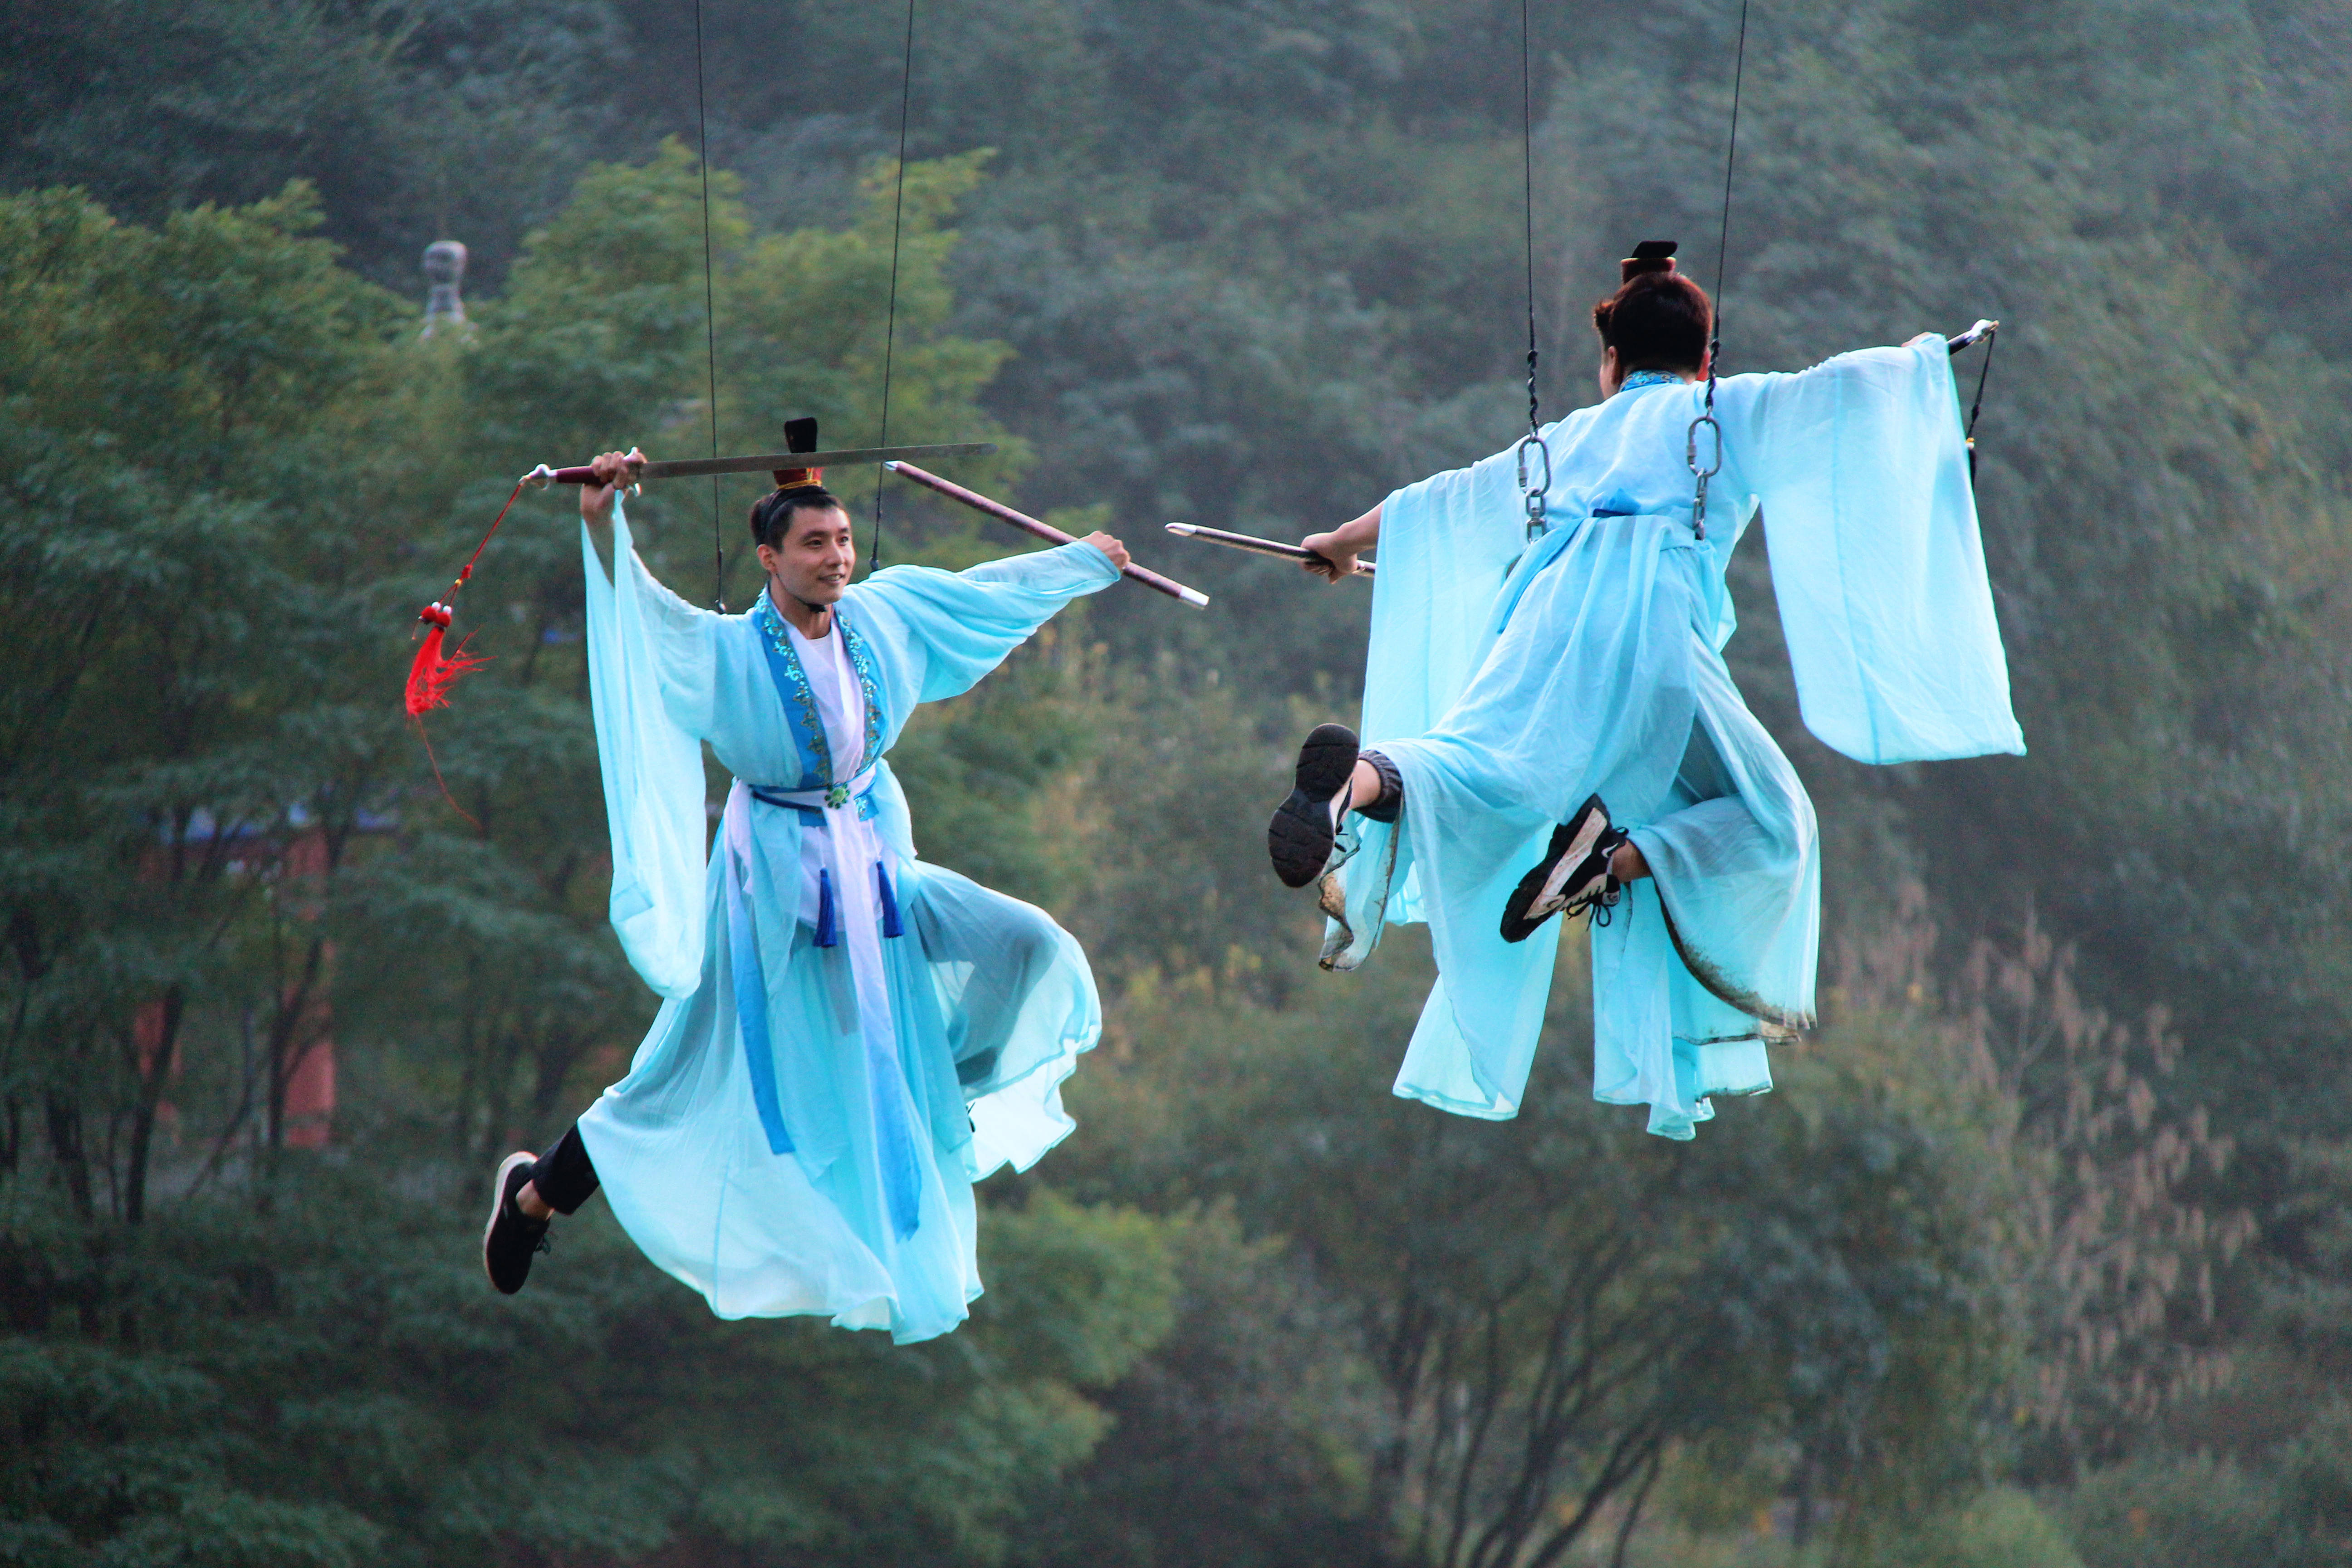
{"type": "Point", "coordinates": [2038, 1258]}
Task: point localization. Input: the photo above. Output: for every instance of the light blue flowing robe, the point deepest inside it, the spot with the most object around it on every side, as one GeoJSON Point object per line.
{"type": "Point", "coordinates": [1509, 680]}
{"type": "Point", "coordinates": [830, 1171]}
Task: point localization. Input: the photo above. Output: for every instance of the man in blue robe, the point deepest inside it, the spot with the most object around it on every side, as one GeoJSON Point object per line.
{"type": "Point", "coordinates": [849, 1036]}
{"type": "Point", "coordinates": [1550, 726]}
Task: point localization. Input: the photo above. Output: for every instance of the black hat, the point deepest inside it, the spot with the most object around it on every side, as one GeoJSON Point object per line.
{"type": "Point", "coordinates": [1650, 255]}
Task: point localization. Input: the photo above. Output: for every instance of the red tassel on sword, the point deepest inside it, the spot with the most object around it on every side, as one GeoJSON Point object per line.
{"type": "Point", "coordinates": [438, 667]}
{"type": "Point", "coordinates": [431, 674]}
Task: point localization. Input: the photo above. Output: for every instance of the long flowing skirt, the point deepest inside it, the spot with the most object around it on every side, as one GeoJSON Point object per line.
{"type": "Point", "coordinates": [1598, 676]}
{"type": "Point", "coordinates": [990, 1002]}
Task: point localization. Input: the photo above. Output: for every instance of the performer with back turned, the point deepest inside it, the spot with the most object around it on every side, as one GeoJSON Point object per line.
{"type": "Point", "coordinates": [1551, 729]}
{"type": "Point", "coordinates": [849, 1036]}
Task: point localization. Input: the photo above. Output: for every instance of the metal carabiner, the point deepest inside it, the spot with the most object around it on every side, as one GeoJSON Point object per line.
{"type": "Point", "coordinates": [1690, 448]}
{"type": "Point", "coordinates": [1700, 476]}
{"type": "Point", "coordinates": [1534, 495]}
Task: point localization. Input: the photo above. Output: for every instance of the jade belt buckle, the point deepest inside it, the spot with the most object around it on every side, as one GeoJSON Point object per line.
{"type": "Point", "coordinates": [836, 797]}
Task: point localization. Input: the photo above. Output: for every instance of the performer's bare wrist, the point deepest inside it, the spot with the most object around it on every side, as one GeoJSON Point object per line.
{"type": "Point", "coordinates": [1337, 548]}
{"type": "Point", "coordinates": [614, 469]}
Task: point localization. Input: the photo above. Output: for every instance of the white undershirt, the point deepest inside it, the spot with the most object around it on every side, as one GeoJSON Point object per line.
{"type": "Point", "coordinates": [855, 848]}
{"type": "Point", "coordinates": [840, 700]}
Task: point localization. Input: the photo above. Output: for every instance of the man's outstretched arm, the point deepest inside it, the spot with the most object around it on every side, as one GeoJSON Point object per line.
{"type": "Point", "coordinates": [1340, 547]}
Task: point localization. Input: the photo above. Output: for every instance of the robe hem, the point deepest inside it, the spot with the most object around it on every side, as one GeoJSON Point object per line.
{"type": "Point", "coordinates": [1484, 1111]}
{"type": "Point", "coordinates": [1340, 954]}
{"type": "Point", "coordinates": [1720, 987]}
{"type": "Point", "coordinates": [1068, 1063]}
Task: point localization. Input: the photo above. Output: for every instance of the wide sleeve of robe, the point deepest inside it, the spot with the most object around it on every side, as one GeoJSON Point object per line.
{"type": "Point", "coordinates": [1861, 466]}
{"type": "Point", "coordinates": [948, 629]}
{"type": "Point", "coordinates": [1446, 544]}
{"type": "Point", "coordinates": [650, 664]}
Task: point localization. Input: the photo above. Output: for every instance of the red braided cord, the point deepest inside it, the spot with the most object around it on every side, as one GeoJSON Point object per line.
{"type": "Point", "coordinates": [468, 571]}
{"type": "Point", "coordinates": [432, 672]}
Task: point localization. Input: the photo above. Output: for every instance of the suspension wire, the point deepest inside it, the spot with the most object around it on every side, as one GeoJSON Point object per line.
{"type": "Point", "coordinates": [1527, 180]}
{"type": "Point", "coordinates": [1532, 492]}
{"type": "Point", "coordinates": [710, 318]}
{"type": "Point", "coordinates": [1707, 420]}
{"type": "Point", "coordinates": [890, 328]}
{"type": "Point", "coordinates": [1730, 159]}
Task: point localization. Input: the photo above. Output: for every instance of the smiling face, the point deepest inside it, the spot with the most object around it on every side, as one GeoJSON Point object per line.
{"type": "Point", "coordinates": [813, 560]}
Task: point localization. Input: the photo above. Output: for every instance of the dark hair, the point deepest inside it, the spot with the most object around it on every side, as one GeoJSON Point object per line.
{"type": "Point", "coordinates": [771, 514]}
{"type": "Point", "coordinates": [1657, 320]}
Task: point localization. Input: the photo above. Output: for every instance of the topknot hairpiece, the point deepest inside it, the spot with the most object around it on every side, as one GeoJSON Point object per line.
{"type": "Point", "coordinates": [800, 435]}
{"type": "Point", "coordinates": [1649, 255]}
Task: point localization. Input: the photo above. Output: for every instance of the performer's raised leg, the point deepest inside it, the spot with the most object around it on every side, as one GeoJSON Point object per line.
{"type": "Point", "coordinates": [1580, 870]}
{"type": "Point", "coordinates": [530, 1191]}
{"type": "Point", "coordinates": [1333, 777]}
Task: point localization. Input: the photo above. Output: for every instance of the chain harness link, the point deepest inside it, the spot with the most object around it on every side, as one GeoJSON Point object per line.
{"type": "Point", "coordinates": [1531, 495]}
{"type": "Point", "coordinates": [1534, 494]}
{"type": "Point", "coordinates": [1706, 421]}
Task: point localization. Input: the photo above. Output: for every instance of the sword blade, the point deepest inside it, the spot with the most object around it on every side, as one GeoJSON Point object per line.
{"type": "Point", "coordinates": [1256, 546]}
{"type": "Point", "coordinates": [767, 462]}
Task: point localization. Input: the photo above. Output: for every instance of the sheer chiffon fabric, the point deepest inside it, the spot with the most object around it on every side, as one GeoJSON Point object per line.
{"type": "Point", "coordinates": [904, 1068]}
{"type": "Point", "coordinates": [1507, 681]}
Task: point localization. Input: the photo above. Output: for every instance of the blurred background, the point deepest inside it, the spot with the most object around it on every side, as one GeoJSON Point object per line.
{"type": "Point", "coordinates": [2037, 1257]}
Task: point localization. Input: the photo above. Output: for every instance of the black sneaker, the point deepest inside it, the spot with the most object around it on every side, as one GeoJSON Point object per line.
{"type": "Point", "coordinates": [512, 1237]}
{"type": "Point", "coordinates": [1300, 838]}
{"type": "Point", "coordinates": [1572, 876]}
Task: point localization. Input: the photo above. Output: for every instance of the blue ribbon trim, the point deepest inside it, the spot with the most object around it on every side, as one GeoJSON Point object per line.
{"type": "Point", "coordinates": [801, 716]}
{"type": "Point", "coordinates": [890, 926]}
{"type": "Point", "coordinates": [751, 1013]}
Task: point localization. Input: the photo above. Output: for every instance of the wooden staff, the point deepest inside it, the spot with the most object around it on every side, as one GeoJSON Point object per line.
{"type": "Point", "coordinates": [759, 463]}
{"type": "Point", "coordinates": [1257, 546]}
{"type": "Point", "coordinates": [1045, 531]}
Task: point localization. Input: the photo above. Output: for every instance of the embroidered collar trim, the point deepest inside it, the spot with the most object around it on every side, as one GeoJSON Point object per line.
{"type": "Point", "coordinates": [793, 683]}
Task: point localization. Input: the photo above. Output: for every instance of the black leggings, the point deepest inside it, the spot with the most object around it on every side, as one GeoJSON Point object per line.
{"type": "Point", "coordinates": [1392, 799]}
{"type": "Point", "coordinates": [564, 1175]}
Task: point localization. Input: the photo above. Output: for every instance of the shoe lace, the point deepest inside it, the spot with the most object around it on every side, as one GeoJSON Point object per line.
{"type": "Point", "coordinates": [546, 1242]}
{"type": "Point", "coordinates": [1603, 906]}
